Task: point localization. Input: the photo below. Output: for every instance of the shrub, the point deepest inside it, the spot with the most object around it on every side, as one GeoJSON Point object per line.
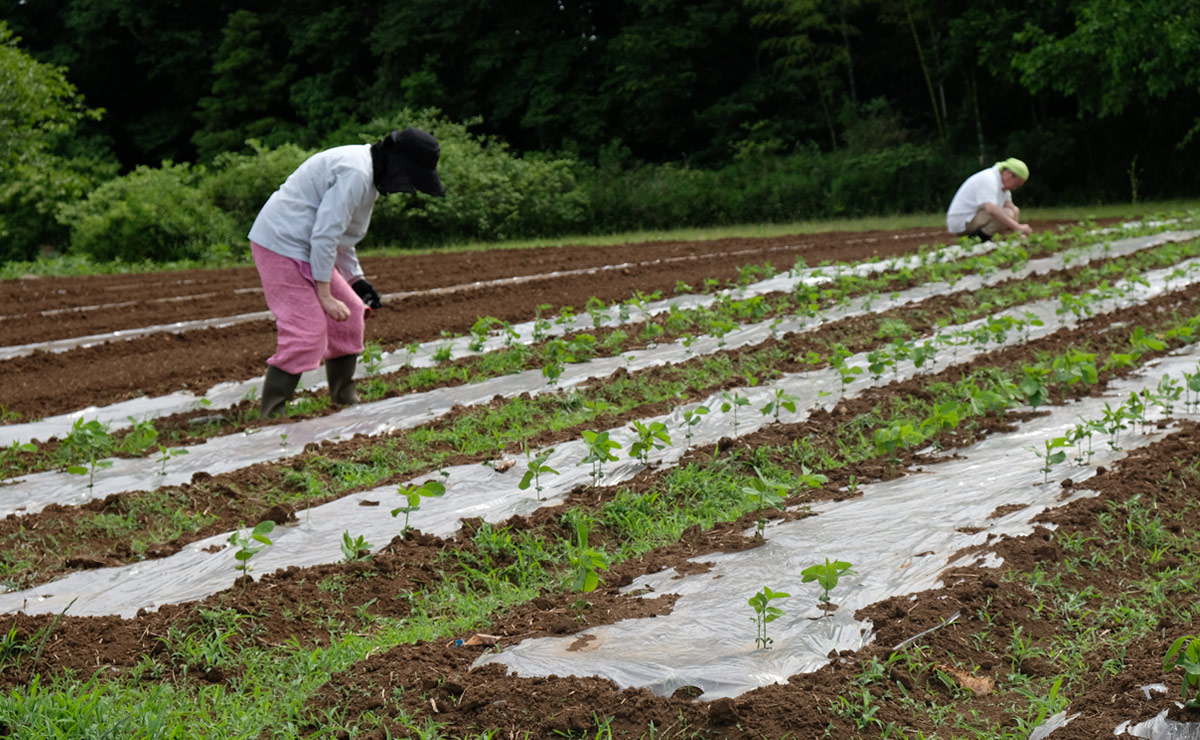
{"type": "Point", "coordinates": [239, 184]}
{"type": "Point", "coordinates": [30, 194]}
{"type": "Point", "coordinates": [491, 193]}
{"type": "Point", "coordinates": [39, 116]}
{"type": "Point", "coordinates": [763, 187]}
{"type": "Point", "coordinates": [906, 178]}
{"type": "Point", "coordinates": [150, 214]}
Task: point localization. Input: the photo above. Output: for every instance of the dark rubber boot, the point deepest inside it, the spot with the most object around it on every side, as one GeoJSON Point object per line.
{"type": "Point", "coordinates": [340, 372]}
{"type": "Point", "coordinates": [278, 388]}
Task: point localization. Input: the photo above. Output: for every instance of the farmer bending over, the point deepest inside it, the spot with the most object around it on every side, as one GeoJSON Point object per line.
{"type": "Point", "coordinates": [303, 245]}
{"type": "Point", "coordinates": [983, 205]}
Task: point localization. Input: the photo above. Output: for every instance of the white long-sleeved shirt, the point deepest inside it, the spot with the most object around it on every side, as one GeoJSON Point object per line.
{"type": "Point", "coordinates": [985, 186]}
{"type": "Point", "coordinates": [321, 212]}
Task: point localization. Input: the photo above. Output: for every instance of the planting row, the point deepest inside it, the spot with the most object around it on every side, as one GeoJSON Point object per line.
{"type": "Point", "coordinates": [475, 487]}
{"type": "Point", "coordinates": [400, 622]}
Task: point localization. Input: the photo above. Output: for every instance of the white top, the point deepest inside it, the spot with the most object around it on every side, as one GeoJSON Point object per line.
{"type": "Point", "coordinates": [321, 211]}
{"type": "Point", "coordinates": [984, 186]}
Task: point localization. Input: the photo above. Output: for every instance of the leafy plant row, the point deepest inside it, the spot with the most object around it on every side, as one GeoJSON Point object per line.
{"type": "Point", "coordinates": [482, 434]}
{"type": "Point", "coordinates": [498, 570]}
{"type": "Point", "coordinates": [89, 439]}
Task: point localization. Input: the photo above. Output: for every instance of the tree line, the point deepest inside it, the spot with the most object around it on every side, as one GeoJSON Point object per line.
{"type": "Point", "coordinates": [1099, 96]}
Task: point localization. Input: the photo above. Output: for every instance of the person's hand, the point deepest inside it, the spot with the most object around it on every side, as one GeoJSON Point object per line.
{"type": "Point", "coordinates": [1024, 229]}
{"type": "Point", "coordinates": [367, 293]}
{"type": "Point", "coordinates": [333, 307]}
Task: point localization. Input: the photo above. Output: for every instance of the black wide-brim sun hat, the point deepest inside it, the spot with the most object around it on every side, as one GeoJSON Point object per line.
{"type": "Point", "coordinates": [407, 160]}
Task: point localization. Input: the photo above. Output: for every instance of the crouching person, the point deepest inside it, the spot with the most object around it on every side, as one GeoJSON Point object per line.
{"type": "Point", "coordinates": [303, 244]}
{"type": "Point", "coordinates": [983, 205]}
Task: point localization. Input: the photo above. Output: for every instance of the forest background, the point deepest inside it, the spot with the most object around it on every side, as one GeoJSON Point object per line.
{"type": "Point", "coordinates": [134, 131]}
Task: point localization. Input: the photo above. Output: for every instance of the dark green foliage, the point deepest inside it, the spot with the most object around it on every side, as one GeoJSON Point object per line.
{"type": "Point", "coordinates": [41, 165]}
{"type": "Point", "coordinates": [491, 191]}
{"type": "Point", "coordinates": [581, 116]}
{"type": "Point", "coordinates": [239, 184]}
{"type": "Point", "coordinates": [907, 178]}
{"type": "Point", "coordinates": [248, 94]}
{"type": "Point", "coordinates": [30, 194]}
{"type": "Point", "coordinates": [150, 214]}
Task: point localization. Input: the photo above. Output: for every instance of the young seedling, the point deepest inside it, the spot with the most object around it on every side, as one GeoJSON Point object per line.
{"type": "Point", "coordinates": [781, 400]}
{"type": "Point", "coordinates": [1077, 435]}
{"type": "Point", "coordinates": [1191, 385]}
{"type": "Point", "coordinates": [582, 347]}
{"type": "Point", "coordinates": [509, 333]}
{"type": "Point", "coordinates": [537, 468]}
{"type": "Point", "coordinates": [1185, 653]}
{"type": "Point", "coordinates": [1141, 343]}
{"type": "Point", "coordinates": [649, 437]}
{"type": "Point", "coordinates": [552, 371]}
{"type": "Point", "coordinates": [89, 441]}
{"type": "Point", "coordinates": [412, 496]}
{"type": "Point", "coordinates": [1113, 422]}
{"type": "Point", "coordinates": [826, 576]}
{"type": "Point", "coordinates": [585, 562]}
{"type": "Point", "coordinates": [480, 331]}
{"type": "Point", "coordinates": [1049, 457]}
{"type": "Point", "coordinates": [846, 373]}
{"type": "Point", "coordinates": [556, 355]}
{"type": "Point", "coordinates": [764, 492]}
{"type": "Point", "coordinates": [1169, 392]}
{"type": "Point", "coordinates": [733, 401]}
{"type": "Point", "coordinates": [355, 548]}
{"type": "Point", "coordinates": [888, 440]}
{"type": "Point", "coordinates": [600, 450]}
{"type": "Point", "coordinates": [541, 325]}
{"type": "Point", "coordinates": [641, 301]}
{"type": "Point", "coordinates": [691, 418]}
{"type": "Point", "coordinates": [1137, 408]}
{"type": "Point", "coordinates": [250, 545]}
{"type": "Point", "coordinates": [598, 310]}
{"type": "Point", "coordinates": [810, 359]}
{"type": "Point", "coordinates": [142, 435]}
{"type": "Point", "coordinates": [372, 357]}
{"type": "Point", "coordinates": [926, 352]}
{"type": "Point", "coordinates": [1033, 384]}
{"type": "Point", "coordinates": [877, 362]}
{"type": "Point", "coordinates": [719, 328]}
{"type": "Point", "coordinates": [597, 407]}
{"type": "Point", "coordinates": [764, 614]}
{"type": "Point", "coordinates": [165, 454]}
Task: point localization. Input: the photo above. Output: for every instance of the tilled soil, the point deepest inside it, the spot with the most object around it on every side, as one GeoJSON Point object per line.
{"type": "Point", "coordinates": [38, 310]}
{"type": "Point", "coordinates": [434, 680]}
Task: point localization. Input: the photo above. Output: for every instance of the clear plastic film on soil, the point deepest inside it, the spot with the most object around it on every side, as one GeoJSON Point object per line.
{"type": "Point", "coordinates": [31, 493]}
{"type": "Point", "coordinates": [1159, 727]}
{"type": "Point", "coordinates": [226, 395]}
{"type": "Point", "coordinates": [899, 535]}
{"type": "Point", "coordinates": [206, 567]}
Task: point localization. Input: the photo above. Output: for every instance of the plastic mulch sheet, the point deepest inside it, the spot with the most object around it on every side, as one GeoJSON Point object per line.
{"type": "Point", "coordinates": [223, 454]}
{"type": "Point", "coordinates": [227, 394]}
{"type": "Point", "coordinates": [899, 536]}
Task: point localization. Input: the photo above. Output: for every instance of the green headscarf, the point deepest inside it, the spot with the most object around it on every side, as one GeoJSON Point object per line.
{"type": "Point", "coordinates": [1015, 166]}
